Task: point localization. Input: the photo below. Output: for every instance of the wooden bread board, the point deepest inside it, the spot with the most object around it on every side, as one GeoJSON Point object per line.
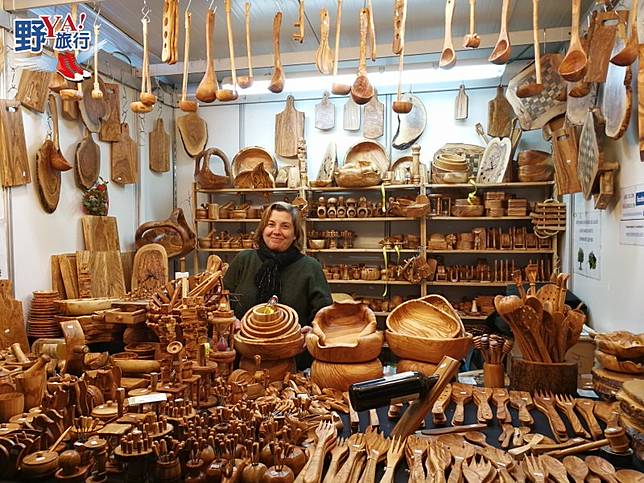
{"type": "Point", "coordinates": [325, 114]}
{"type": "Point", "coordinates": [565, 155]}
{"type": "Point", "coordinates": [124, 158]}
{"type": "Point", "coordinates": [289, 128]}
{"type": "Point", "coordinates": [92, 110]}
{"type": "Point", "coordinates": [351, 115]}
{"type": "Point", "coordinates": [100, 233]}
{"type": "Point", "coordinates": [100, 273]}
{"type": "Point", "coordinates": [14, 161]}
{"type": "Point", "coordinates": [500, 115]}
{"type": "Point", "coordinates": [33, 89]}
{"type": "Point", "coordinates": [374, 118]}
{"type": "Point", "coordinates": [159, 148]}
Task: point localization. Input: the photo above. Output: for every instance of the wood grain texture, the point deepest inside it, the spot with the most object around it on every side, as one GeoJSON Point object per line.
{"type": "Point", "coordinates": [351, 118]}
{"type": "Point", "coordinates": [92, 110]}
{"type": "Point", "coordinates": [325, 114]}
{"type": "Point", "coordinates": [159, 148]}
{"type": "Point", "coordinates": [124, 158]}
{"type": "Point", "coordinates": [289, 127]}
{"type": "Point", "coordinates": [150, 268]}
{"type": "Point", "coordinates": [127, 261]}
{"type": "Point", "coordinates": [13, 324]}
{"type": "Point", "coordinates": [374, 119]}
{"type": "Point", "coordinates": [48, 180]}
{"type": "Point", "coordinates": [105, 272]}
{"type": "Point", "coordinates": [69, 274]}
{"type": "Point", "coordinates": [602, 40]}
{"type": "Point", "coordinates": [33, 89]}
{"type": "Point", "coordinates": [14, 160]}
{"type": "Point", "coordinates": [499, 115]}
{"type": "Point", "coordinates": [100, 233]}
{"type": "Point", "coordinates": [640, 100]}
{"type": "Point", "coordinates": [88, 161]}
{"type": "Point", "coordinates": [565, 154]}
{"type": "Point", "coordinates": [57, 283]}
{"type": "Point", "coordinates": [193, 132]}
{"type": "Point", "coordinates": [111, 123]}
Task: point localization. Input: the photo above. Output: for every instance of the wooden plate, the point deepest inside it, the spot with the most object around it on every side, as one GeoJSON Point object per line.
{"type": "Point", "coordinates": [248, 158]}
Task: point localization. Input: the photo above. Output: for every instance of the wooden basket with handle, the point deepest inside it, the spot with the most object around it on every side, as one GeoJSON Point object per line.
{"type": "Point", "coordinates": [204, 177]}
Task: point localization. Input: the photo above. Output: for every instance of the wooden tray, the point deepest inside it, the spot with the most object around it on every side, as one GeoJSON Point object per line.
{"type": "Point", "coordinates": [589, 156]}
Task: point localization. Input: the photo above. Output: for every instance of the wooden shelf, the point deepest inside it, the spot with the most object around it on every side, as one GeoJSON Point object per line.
{"type": "Point", "coordinates": [479, 218]}
{"type": "Point", "coordinates": [250, 190]}
{"type": "Point", "coordinates": [372, 282]}
{"type": "Point", "coordinates": [229, 220]}
{"type": "Point", "coordinates": [493, 252]}
{"type": "Point", "coordinates": [470, 284]}
{"type": "Point", "coordinates": [222, 250]}
{"type": "Point", "coordinates": [368, 188]}
{"type": "Point", "coordinates": [372, 218]}
{"type": "Point", "coordinates": [356, 250]}
{"type": "Point", "coordinates": [535, 184]}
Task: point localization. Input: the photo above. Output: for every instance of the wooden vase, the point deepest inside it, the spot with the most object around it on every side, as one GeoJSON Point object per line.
{"type": "Point", "coordinates": [558, 378]}
{"type": "Point", "coordinates": [493, 375]}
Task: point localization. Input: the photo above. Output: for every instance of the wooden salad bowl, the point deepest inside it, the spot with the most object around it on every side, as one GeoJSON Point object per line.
{"type": "Point", "coordinates": [405, 365]}
{"type": "Point", "coordinates": [268, 350]}
{"type": "Point", "coordinates": [622, 344]}
{"type": "Point", "coordinates": [426, 349]}
{"type": "Point", "coordinates": [341, 376]}
{"type": "Point", "coordinates": [612, 363]}
{"type": "Point", "coordinates": [422, 319]}
{"type": "Point", "coordinates": [82, 306]}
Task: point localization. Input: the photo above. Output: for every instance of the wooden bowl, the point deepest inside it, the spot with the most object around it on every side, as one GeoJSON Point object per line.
{"type": "Point", "coordinates": [11, 403]}
{"type": "Point", "coordinates": [367, 348]}
{"type": "Point", "coordinates": [248, 158]}
{"type": "Point", "coordinates": [425, 349]}
{"type": "Point", "coordinates": [270, 351]}
{"type": "Point", "coordinates": [82, 306]}
{"type": "Point", "coordinates": [608, 383]}
{"type": "Point", "coordinates": [454, 177]}
{"type": "Point", "coordinates": [317, 244]}
{"type": "Point", "coordinates": [39, 464]}
{"type": "Point", "coordinates": [422, 319]}
{"type": "Point", "coordinates": [369, 151]}
{"type": "Point", "coordinates": [468, 211]}
{"type": "Point", "coordinates": [622, 344]}
{"type": "Point", "coordinates": [443, 304]}
{"type": "Point", "coordinates": [533, 156]}
{"type": "Point", "coordinates": [341, 376]}
{"type": "Point", "coordinates": [612, 363]}
{"type": "Point", "coordinates": [404, 365]}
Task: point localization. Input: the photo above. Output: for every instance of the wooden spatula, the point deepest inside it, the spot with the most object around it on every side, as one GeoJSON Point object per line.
{"type": "Point", "coordinates": [461, 395]}
{"type": "Point", "coordinates": [522, 401]}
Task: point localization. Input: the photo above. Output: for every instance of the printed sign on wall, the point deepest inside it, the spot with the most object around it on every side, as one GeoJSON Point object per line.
{"type": "Point", "coordinates": [632, 220]}
{"type": "Point", "coordinates": [587, 243]}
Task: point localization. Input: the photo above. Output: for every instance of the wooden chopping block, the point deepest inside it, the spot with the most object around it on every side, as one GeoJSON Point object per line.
{"type": "Point", "coordinates": [14, 161]}
{"type": "Point", "coordinates": [33, 89]}
{"type": "Point", "coordinates": [150, 268]}
{"type": "Point", "coordinates": [289, 128]}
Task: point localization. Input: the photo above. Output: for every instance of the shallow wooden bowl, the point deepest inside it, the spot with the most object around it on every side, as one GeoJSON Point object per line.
{"type": "Point", "coordinates": [343, 323]}
{"type": "Point", "coordinates": [248, 158]}
{"type": "Point", "coordinates": [270, 351]}
{"type": "Point", "coordinates": [404, 365]}
{"type": "Point", "coordinates": [425, 349]}
{"type": "Point", "coordinates": [422, 319]}
{"type": "Point", "coordinates": [612, 363]}
{"type": "Point", "coordinates": [341, 376]}
{"type": "Point", "coordinates": [82, 306]}
{"type": "Point", "coordinates": [622, 344]}
{"type": "Point", "coordinates": [443, 304]}
{"type": "Point", "coordinates": [369, 151]}
{"type": "Point", "coordinates": [317, 244]}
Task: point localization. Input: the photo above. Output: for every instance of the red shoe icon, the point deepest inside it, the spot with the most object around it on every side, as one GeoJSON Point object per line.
{"type": "Point", "coordinates": [66, 70]}
{"type": "Point", "coordinates": [71, 60]}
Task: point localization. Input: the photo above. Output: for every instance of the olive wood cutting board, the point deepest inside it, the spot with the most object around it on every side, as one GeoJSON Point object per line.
{"type": "Point", "coordinates": [92, 110]}
{"type": "Point", "coordinates": [603, 30]}
{"type": "Point", "coordinates": [150, 268]}
{"type": "Point", "coordinates": [461, 104]}
{"type": "Point", "coordinates": [48, 181]}
{"type": "Point", "coordinates": [499, 115]}
{"type": "Point", "coordinates": [325, 113]}
{"type": "Point", "coordinates": [563, 136]}
{"type": "Point", "coordinates": [159, 148]}
{"type": "Point", "coordinates": [33, 89]}
{"type": "Point", "coordinates": [411, 125]}
{"type": "Point", "coordinates": [102, 272]}
{"type": "Point", "coordinates": [66, 274]}
{"type": "Point", "coordinates": [289, 128]}
{"type": "Point", "coordinates": [100, 233]}
{"type": "Point", "coordinates": [124, 158]}
{"type": "Point", "coordinates": [14, 160]}
{"type": "Point", "coordinates": [13, 324]}
{"type": "Point", "coordinates": [111, 123]}
{"type": "Point", "coordinates": [88, 161]}
{"type": "Point", "coordinates": [374, 118]}
{"type": "Point", "coordinates": [351, 115]}
{"type": "Point", "coordinates": [617, 95]}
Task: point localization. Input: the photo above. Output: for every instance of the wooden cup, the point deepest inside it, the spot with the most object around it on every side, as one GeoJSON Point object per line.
{"type": "Point", "coordinates": [558, 378]}
{"type": "Point", "coordinates": [11, 403]}
{"type": "Point", "coordinates": [493, 375]}
{"type": "Point", "coordinates": [213, 211]}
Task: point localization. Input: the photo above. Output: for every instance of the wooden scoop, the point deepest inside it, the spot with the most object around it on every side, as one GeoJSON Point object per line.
{"type": "Point", "coordinates": [208, 87]}
{"type": "Point", "coordinates": [324, 55]}
{"type": "Point", "coordinates": [401, 106]}
{"type": "Point", "coordinates": [629, 53]}
{"type": "Point", "coordinates": [472, 40]}
{"type": "Point", "coordinates": [362, 90]}
{"type": "Point", "coordinates": [503, 49]}
{"type": "Point", "coordinates": [245, 81]}
{"type": "Point", "coordinates": [576, 468]}
{"type": "Point", "coordinates": [555, 468]}
{"type": "Point", "coordinates": [531, 90]}
{"type": "Point", "coordinates": [226, 95]}
{"type": "Point", "coordinates": [184, 104]}
{"type": "Point", "coordinates": [448, 55]}
{"type": "Point", "coordinates": [56, 159]}
{"type": "Point", "coordinates": [337, 88]}
{"type": "Point", "coordinates": [573, 66]}
{"type": "Point", "coordinates": [277, 81]}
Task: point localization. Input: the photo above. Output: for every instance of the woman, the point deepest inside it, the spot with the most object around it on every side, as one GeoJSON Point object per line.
{"type": "Point", "coordinates": [278, 267]}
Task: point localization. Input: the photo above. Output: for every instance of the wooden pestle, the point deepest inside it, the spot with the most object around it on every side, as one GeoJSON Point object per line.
{"type": "Point", "coordinates": [20, 356]}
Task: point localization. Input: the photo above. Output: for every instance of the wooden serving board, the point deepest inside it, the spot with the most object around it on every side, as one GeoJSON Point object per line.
{"type": "Point", "coordinates": [535, 112]}
{"type": "Point", "coordinates": [150, 269]}
{"type": "Point", "coordinates": [124, 158]}
{"type": "Point", "coordinates": [589, 156]}
{"type": "Point", "coordinates": [33, 89]}
{"type": "Point", "coordinates": [351, 115]}
{"type": "Point", "coordinates": [617, 98]}
{"type": "Point", "coordinates": [111, 123]}
{"type": "Point", "coordinates": [499, 115]}
{"type": "Point", "coordinates": [49, 182]}
{"type": "Point", "coordinates": [14, 160]}
{"type": "Point", "coordinates": [374, 118]}
{"type": "Point", "coordinates": [102, 271]}
{"type": "Point", "coordinates": [289, 128]}
{"type": "Point", "coordinates": [603, 31]}
{"type": "Point", "coordinates": [92, 110]}
{"type": "Point", "coordinates": [101, 233]}
{"type": "Point", "coordinates": [159, 148]}
{"type": "Point", "coordinates": [69, 274]}
{"type": "Point", "coordinates": [411, 125]}
{"type": "Point", "coordinates": [57, 283]}
{"type": "Point", "coordinates": [325, 114]}
{"type": "Point", "coordinates": [88, 161]}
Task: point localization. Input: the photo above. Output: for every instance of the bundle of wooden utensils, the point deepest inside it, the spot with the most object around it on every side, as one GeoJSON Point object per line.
{"type": "Point", "coordinates": [494, 349]}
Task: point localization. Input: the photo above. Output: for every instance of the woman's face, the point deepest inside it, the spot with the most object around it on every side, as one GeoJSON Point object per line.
{"type": "Point", "coordinates": [279, 233]}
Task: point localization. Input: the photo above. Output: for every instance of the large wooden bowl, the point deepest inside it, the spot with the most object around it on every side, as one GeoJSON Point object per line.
{"type": "Point", "coordinates": [270, 351]}
{"type": "Point", "coordinates": [341, 376]}
{"type": "Point", "coordinates": [612, 363]}
{"type": "Point", "coordinates": [622, 344]}
{"type": "Point", "coordinates": [423, 319]}
{"type": "Point", "coordinates": [404, 365]}
{"type": "Point", "coordinates": [367, 348]}
{"type": "Point", "coordinates": [425, 349]}
{"type": "Point", "coordinates": [279, 325]}
{"type": "Point", "coordinates": [443, 304]}
{"type": "Point", "coordinates": [248, 158]}
{"type": "Point", "coordinates": [369, 151]}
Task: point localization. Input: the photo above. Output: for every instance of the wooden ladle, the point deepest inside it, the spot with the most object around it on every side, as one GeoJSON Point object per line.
{"type": "Point", "coordinates": [448, 55]}
{"type": "Point", "coordinates": [399, 105]}
{"type": "Point", "coordinates": [277, 81]}
{"type": "Point", "coordinates": [573, 66]}
{"type": "Point", "coordinates": [324, 55]}
{"type": "Point", "coordinates": [629, 53]}
{"type": "Point", "coordinates": [472, 40]}
{"type": "Point", "coordinates": [225, 95]}
{"type": "Point", "coordinates": [184, 104]}
{"type": "Point", "coordinates": [208, 87]}
{"type": "Point", "coordinates": [576, 468]}
{"type": "Point", "coordinates": [337, 88]}
{"type": "Point", "coordinates": [245, 81]}
{"type": "Point", "coordinates": [502, 49]}
{"type": "Point", "coordinates": [362, 90]}
{"type": "Point", "coordinates": [531, 90]}
{"type": "Point", "coordinates": [57, 160]}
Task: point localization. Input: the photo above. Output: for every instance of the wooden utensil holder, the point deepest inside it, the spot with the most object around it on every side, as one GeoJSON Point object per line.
{"type": "Point", "coordinates": [558, 378]}
{"type": "Point", "coordinates": [493, 375]}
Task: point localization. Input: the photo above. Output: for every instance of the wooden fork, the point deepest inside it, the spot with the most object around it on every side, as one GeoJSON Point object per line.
{"type": "Point", "coordinates": [356, 447]}
{"type": "Point", "coordinates": [545, 403]}
{"type": "Point", "coordinates": [460, 454]}
{"type": "Point", "coordinates": [377, 447]}
{"type": "Point", "coordinates": [395, 452]}
{"type": "Point", "coordinates": [534, 469]}
{"type": "Point", "coordinates": [567, 403]}
{"type": "Point", "coordinates": [477, 471]}
{"type": "Point", "coordinates": [326, 435]}
{"type": "Point", "coordinates": [337, 455]}
{"type": "Point", "coordinates": [438, 458]}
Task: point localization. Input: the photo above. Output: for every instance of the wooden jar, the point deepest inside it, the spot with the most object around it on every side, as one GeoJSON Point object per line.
{"type": "Point", "coordinates": [558, 377]}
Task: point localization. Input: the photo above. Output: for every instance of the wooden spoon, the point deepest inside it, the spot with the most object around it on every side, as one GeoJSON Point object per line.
{"type": "Point", "coordinates": [337, 88]}
{"type": "Point", "coordinates": [531, 90]}
{"type": "Point", "coordinates": [226, 95]}
{"type": "Point", "coordinates": [503, 49]}
{"type": "Point", "coordinates": [399, 105]}
{"type": "Point", "coordinates": [277, 81]}
{"type": "Point", "coordinates": [555, 468]}
{"type": "Point", "coordinates": [601, 468]}
{"type": "Point", "coordinates": [362, 90]}
{"type": "Point", "coordinates": [400, 17]}
{"type": "Point", "coordinates": [245, 81]}
{"type": "Point", "coordinates": [372, 33]}
{"type": "Point", "coordinates": [184, 104]}
{"type": "Point", "coordinates": [57, 159]}
{"type": "Point", "coordinates": [629, 53]}
{"type": "Point", "coordinates": [208, 87]}
{"type": "Point", "coordinates": [324, 55]}
{"type": "Point", "coordinates": [576, 468]}
{"type": "Point", "coordinates": [448, 55]}
{"type": "Point", "coordinates": [461, 394]}
{"type": "Point", "coordinates": [472, 40]}
{"type": "Point", "coordinates": [629, 476]}
{"type": "Point", "coordinates": [573, 66]}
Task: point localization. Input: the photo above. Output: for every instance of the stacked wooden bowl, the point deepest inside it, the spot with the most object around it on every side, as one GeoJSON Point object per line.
{"type": "Point", "coordinates": [535, 166]}
{"type": "Point", "coordinates": [345, 345]}
{"type": "Point", "coordinates": [41, 322]}
{"type": "Point", "coordinates": [422, 331]}
{"type": "Point", "coordinates": [450, 168]}
{"type": "Point", "coordinates": [271, 331]}
{"type": "Point", "coordinates": [619, 357]}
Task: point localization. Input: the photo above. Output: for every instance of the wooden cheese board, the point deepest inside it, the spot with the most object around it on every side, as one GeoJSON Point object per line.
{"type": "Point", "coordinates": [589, 156]}
{"type": "Point", "coordinates": [124, 158]}
{"type": "Point", "coordinates": [159, 146]}
{"type": "Point", "coordinates": [289, 128]}
{"type": "Point", "coordinates": [325, 113]}
{"type": "Point", "coordinates": [100, 233]}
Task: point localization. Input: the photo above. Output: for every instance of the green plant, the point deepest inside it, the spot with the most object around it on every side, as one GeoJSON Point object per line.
{"type": "Point", "coordinates": [580, 257]}
{"type": "Point", "coordinates": [96, 200]}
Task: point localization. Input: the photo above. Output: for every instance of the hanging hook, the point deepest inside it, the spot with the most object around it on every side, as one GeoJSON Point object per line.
{"type": "Point", "coordinates": [211, 4]}
{"type": "Point", "coordinates": [98, 14]}
{"type": "Point", "coordinates": [145, 11]}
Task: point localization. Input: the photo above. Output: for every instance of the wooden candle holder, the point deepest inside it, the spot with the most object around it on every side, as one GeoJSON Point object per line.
{"type": "Point", "coordinates": [558, 378]}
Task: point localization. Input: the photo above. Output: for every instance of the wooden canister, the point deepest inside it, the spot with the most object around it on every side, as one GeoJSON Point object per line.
{"type": "Point", "coordinates": [558, 377]}
{"type": "Point", "coordinates": [493, 375]}
{"type": "Point", "coordinates": [213, 211]}
{"type": "Point", "coordinates": [11, 403]}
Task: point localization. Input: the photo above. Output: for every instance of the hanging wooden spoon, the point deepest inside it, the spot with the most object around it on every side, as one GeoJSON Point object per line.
{"type": "Point", "coordinates": [56, 159]}
{"type": "Point", "coordinates": [448, 55]}
{"type": "Point", "coordinates": [324, 56]}
{"type": "Point", "coordinates": [531, 90]}
{"type": "Point", "coordinates": [277, 81]}
{"type": "Point", "coordinates": [184, 104]}
{"type": "Point", "coordinates": [629, 53]}
{"type": "Point", "coordinates": [472, 40]}
{"type": "Point", "coordinates": [245, 81]}
{"type": "Point", "coordinates": [399, 105]}
{"type": "Point", "coordinates": [372, 33]}
{"type": "Point", "coordinates": [362, 90]}
{"type": "Point", "coordinates": [573, 66]}
{"type": "Point", "coordinates": [400, 17]}
{"type": "Point", "coordinates": [503, 49]}
{"type": "Point", "coordinates": [226, 95]}
{"type": "Point", "coordinates": [146, 98]}
{"type": "Point", "coordinates": [576, 468]}
{"type": "Point", "coordinates": [208, 87]}
{"type": "Point", "coordinates": [337, 88]}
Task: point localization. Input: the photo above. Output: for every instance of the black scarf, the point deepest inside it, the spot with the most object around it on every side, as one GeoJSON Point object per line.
{"type": "Point", "coordinates": [267, 279]}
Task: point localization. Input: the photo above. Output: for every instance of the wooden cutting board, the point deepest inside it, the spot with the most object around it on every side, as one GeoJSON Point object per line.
{"type": "Point", "coordinates": [374, 118]}
{"type": "Point", "coordinates": [289, 128]}
{"type": "Point", "coordinates": [617, 97]}
{"type": "Point", "coordinates": [48, 180]}
{"type": "Point", "coordinates": [351, 116]}
{"type": "Point", "coordinates": [88, 161]}
{"type": "Point", "coordinates": [14, 160]}
{"type": "Point", "coordinates": [57, 283]}
{"type": "Point", "coordinates": [127, 260]}
{"type": "Point", "coordinates": [159, 148]}
{"type": "Point", "coordinates": [603, 31]}
{"type": "Point", "coordinates": [325, 113]}
{"type": "Point", "coordinates": [92, 110]}
{"type": "Point", "coordinates": [150, 268]}
{"type": "Point", "coordinates": [411, 125]}
{"type": "Point", "coordinates": [499, 115]}
{"type": "Point", "coordinates": [100, 233]}
{"type": "Point", "coordinates": [563, 136]}
{"type": "Point", "coordinates": [111, 123]}
{"type": "Point", "coordinates": [103, 272]}
{"type": "Point", "coordinates": [193, 132]}
{"type": "Point", "coordinates": [33, 89]}
{"type": "Point", "coordinates": [589, 156]}
{"type": "Point", "coordinates": [124, 158]}
{"type": "Point", "coordinates": [461, 104]}
{"type": "Point", "coordinates": [69, 274]}
{"type": "Point", "coordinates": [13, 324]}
